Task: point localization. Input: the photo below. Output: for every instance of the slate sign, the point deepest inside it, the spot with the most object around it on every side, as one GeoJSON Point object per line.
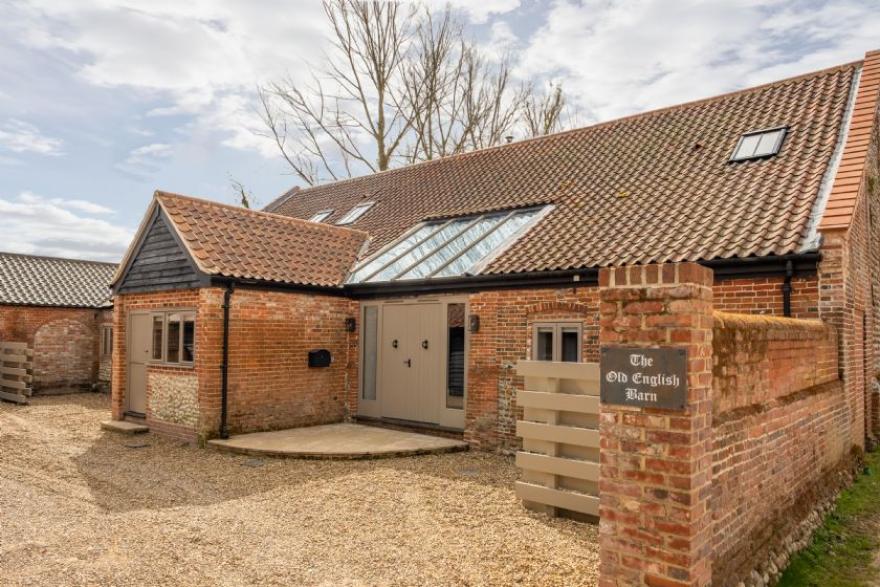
{"type": "Point", "coordinates": [652, 378]}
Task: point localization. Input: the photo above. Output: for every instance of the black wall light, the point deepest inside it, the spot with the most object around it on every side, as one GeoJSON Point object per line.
{"type": "Point", "coordinates": [350, 324]}
{"type": "Point", "coordinates": [473, 323]}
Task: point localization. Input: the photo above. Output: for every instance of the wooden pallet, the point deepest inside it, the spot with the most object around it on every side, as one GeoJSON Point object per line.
{"type": "Point", "coordinates": [16, 372]}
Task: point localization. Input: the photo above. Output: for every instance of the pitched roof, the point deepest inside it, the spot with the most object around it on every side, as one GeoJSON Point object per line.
{"type": "Point", "coordinates": [236, 242]}
{"type": "Point", "coordinates": [51, 281]}
{"type": "Point", "coordinates": [652, 187]}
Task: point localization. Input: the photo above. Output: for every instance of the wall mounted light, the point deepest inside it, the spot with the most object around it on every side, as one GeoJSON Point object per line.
{"type": "Point", "coordinates": [473, 323]}
{"type": "Point", "coordinates": [350, 324]}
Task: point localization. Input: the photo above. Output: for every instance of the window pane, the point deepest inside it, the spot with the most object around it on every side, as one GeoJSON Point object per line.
{"type": "Point", "coordinates": [767, 144]}
{"type": "Point", "coordinates": [455, 356]}
{"type": "Point", "coordinates": [747, 147]}
{"type": "Point", "coordinates": [391, 253]}
{"type": "Point", "coordinates": [189, 338]}
{"type": "Point", "coordinates": [157, 338]}
{"type": "Point", "coordinates": [423, 249]}
{"type": "Point", "coordinates": [570, 340]}
{"type": "Point", "coordinates": [483, 248]}
{"type": "Point", "coordinates": [453, 248]}
{"type": "Point", "coordinates": [370, 333]}
{"type": "Point", "coordinates": [355, 213]}
{"type": "Point", "coordinates": [321, 216]}
{"type": "Point", "coordinates": [544, 344]}
{"type": "Point", "coordinates": [172, 355]}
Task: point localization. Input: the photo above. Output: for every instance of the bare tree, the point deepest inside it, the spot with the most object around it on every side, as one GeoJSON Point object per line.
{"type": "Point", "coordinates": [399, 84]}
{"type": "Point", "coordinates": [244, 196]}
{"type": "Point", "coordinates": [543, 114]}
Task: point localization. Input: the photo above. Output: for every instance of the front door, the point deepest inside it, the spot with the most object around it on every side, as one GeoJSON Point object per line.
{"type": "Point", "coordinates": [138, 357]}
{"type": "Point", "coordinates": [411, 378]}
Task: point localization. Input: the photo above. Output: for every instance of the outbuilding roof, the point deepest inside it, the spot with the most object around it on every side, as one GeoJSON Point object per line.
{"type": "Point", "coordinates": [653, 187]}
{"type": "Point", "coordinates": [50, 281]}
{"type": "Point", "coordinates": [229, 241]}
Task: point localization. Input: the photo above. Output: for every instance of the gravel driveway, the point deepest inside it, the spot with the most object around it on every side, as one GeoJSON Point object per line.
{"type": "Point", "coordinates": [83, 507]}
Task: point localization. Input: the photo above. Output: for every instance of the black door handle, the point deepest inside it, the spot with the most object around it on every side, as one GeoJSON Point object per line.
{"type": "Point", "coordinates": [408, 362]}
{"type": "Point", "coordinates": [425, 343]}
{"type": "Point", "coordinates": [394, 343]}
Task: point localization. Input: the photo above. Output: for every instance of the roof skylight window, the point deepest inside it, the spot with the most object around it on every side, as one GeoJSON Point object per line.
{"type": "Point", "coordinates": [355, 213]}
{"type": "Point", "coordinates": [759, 144]}
{"type": "Point", "coordinates": [321, 216]}
{"type": "Point", "coordinates": [445, 248]}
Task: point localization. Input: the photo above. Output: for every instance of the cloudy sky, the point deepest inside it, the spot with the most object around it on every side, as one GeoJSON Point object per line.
{"type": "Point", "coordinates": [104, 101]}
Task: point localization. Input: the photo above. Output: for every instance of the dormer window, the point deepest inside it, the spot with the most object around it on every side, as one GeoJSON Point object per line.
{"type": "Point", "coordinates": [321, 216]}
{"type": "Point", "coordinates": [355, 213]}
{"type": "Point", "coordinates": [759, 144]}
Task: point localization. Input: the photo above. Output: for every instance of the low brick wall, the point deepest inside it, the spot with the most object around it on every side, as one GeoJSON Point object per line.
{"type": "Point", "coordinates": [780, 444]}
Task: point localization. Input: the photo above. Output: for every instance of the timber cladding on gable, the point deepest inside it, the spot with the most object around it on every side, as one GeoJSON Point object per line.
{"type": "Point", "coordinates": [160, 263]}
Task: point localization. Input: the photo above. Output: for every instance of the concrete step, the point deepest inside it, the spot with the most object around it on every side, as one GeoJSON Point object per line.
{"type": "Point", "coordinates": [124, 427]}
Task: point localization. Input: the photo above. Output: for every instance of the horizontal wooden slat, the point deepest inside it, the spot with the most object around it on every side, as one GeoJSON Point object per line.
{"type": "Point", "coordinates": [569, 500]}
{"type": "Point", "coordinates": [562, 402]}
{"type": "Point", "coordinates": [7, 384]}
{"type": "Point", "coordinates": [13, 346]}
{"type": "Point", "coordinates": [558, 466]}
{"type": "Point", "coordinates": [553, 370]}
{"type": "Point", "coordinates": [565, 434]}
{"type": "Point", "coordinates": [13, 397]}
{"type": "Point", "coordinates": [13, 372]}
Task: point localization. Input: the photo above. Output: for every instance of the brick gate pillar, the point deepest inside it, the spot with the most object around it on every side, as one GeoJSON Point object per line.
{"type": "Point", "coordinates": [655, 527]}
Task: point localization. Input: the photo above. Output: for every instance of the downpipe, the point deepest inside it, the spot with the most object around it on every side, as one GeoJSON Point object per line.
{"type": "Point", "coordinates": [224, 366]}
{"type": "Point", "coordinates": [786, 289]}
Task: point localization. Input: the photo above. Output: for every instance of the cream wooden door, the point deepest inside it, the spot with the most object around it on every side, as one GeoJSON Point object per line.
{"type": "Point", "coordinates": [411, 378]}
{"type": "Point", "coordinates": [138, 356]}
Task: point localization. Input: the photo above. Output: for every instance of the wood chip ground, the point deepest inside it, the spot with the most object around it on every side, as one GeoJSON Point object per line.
{"type": "Point", "coordinates": [80, 507]}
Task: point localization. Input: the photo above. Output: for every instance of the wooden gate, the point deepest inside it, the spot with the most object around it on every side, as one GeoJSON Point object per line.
{"type": "Point", "coordinates": [16, 372]}
{"type": "Point", "coordinates": [560, 432]}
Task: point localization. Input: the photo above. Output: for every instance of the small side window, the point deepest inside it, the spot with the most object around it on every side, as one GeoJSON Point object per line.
{"type": "Point", "coordinates": [557, 341]}
{"type": "Point", "coordinates": [106, 341]}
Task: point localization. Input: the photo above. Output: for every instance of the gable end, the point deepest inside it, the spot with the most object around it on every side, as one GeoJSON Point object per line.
{"type": "Point", "coordinates": [160, 262]}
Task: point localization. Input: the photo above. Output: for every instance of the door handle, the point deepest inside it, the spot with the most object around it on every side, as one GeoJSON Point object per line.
{"type": "Point", "coordinates": [394, 343]}
{"type": "Point", "coordinates": [425, 343]}
{"type": "Point", "coordinates": [408, 362]}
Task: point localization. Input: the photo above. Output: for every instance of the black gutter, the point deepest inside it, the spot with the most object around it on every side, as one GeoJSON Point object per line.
{"type": "Point", "coordinates": [224, 367]}
{"type": "Point", "coordinates": [769, 266]}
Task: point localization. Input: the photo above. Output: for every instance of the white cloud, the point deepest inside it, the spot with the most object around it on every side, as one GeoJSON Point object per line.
{"type": "Point", "coordinates": [146, 159]}
{"type": "Point", "coordinates": [49, 227]}
{"type": "Point", "coordinates": [622, 56]}
{"type": "Point", "coordinates": [479, 11]}
{"type": "Point", "coordinates": [19, 136]}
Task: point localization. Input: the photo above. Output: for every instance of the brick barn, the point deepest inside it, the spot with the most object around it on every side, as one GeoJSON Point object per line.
{"type": "Point", "coordinates": [61, 308]}
{"type": "Point", "coordinates": [408, 296]}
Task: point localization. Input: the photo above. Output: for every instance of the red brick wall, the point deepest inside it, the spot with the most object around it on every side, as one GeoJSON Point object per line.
{"type": "Point", "coordinates": [778, 438]}
{"type": "Point", "coordinates": [504, 338]}
{"type": "Point", "coordinates": [65, 342]}
{"type": "Point", "coordinates": [270, 383]}
{"type": "Point", "coordinates": [763, 295]}
{"type": "Point", "coordinates": [758, 359]}
{"type": "Point", "coordinates": [506, 317]}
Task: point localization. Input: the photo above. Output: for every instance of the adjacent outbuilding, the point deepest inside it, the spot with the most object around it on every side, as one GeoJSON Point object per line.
{"type": "Point", "coordinates": [61, 309]}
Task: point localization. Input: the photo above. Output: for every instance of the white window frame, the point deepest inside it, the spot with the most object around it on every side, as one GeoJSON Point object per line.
{"type": "Point", "coordinates": [556, 326]}
{"type": "Point", "coordinates": [321, 215]}
{"type": "Point", "coordinates": [163, 359]}
{"type": "Point", "coordinates": [355, 213]}
{"type": "Point", "coordinates": [737, 156]}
